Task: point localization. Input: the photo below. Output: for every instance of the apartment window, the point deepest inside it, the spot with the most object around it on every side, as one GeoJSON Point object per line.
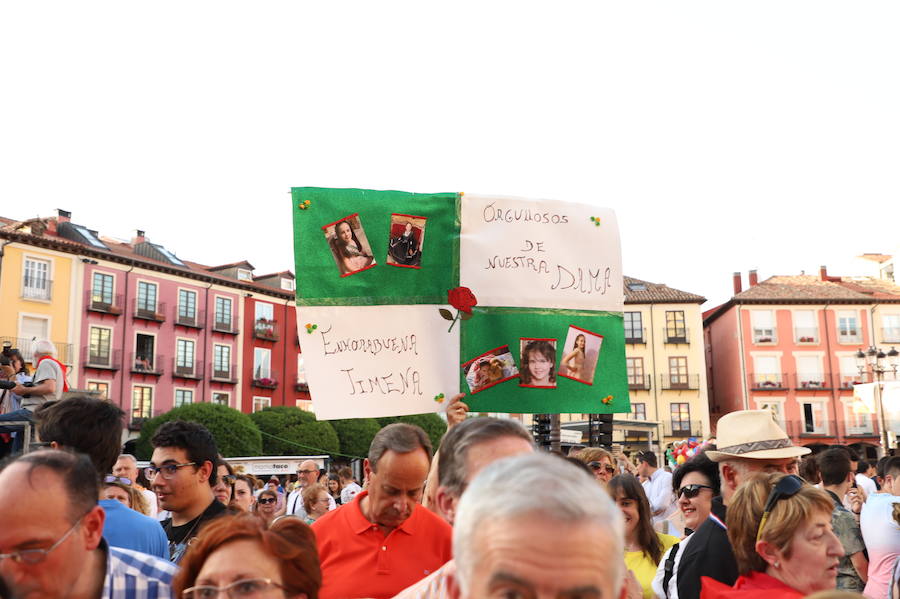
{"type": "Point", "coordinates": [809, 372]}
{"type": "Point", "coordinates": [301, 370]}
{"type": "Point", "coordinates": [141, 402]}
{"type": "Point", "coordinates": [675, 327]}
{"type": "Point", "coordinates": [776, 407]}
{"type": "Point", "coordinates": [639, 411]}
{"type": "Point", "coordinates": [806, 329]}
{"type": "Point", "coordinates": [678, 374]}
{"type": "Point", "coordinates": [264, 311]}
{"type": "Point", "coordinates": [767, 372]}
{"type": "Point", "coordinates": [146, 298]}
{"type": "Point", "coordinates": [183, 397]}
{"type": "Point", "coordinates": [857, 423]}
{"type": "Point", "coordinates": [100, 388]}
{"type": "Point", "coordinates": [33, 327]}
{"type": "Point", "coordinates": [223, 313]}
{"type": "Point", "coordinates": [184, 356]}
{"type": "Point", "coordinates": [814, 418]}
{"type": "Point", "coordinates": [220, 399]}
{"type": "Point", "coordinates": [244, 275]}
{"type": "Point", "coordinates": [222, 361]}
{"type": "Point", "coordinates": [634, 327]}
{"type": "Point", "coordinates": [36, 282]}
{"type": "Point", "coordinates": [890, 332]}
{"type": "Point", "coordinates": [261, 402]}
{"type": "Point", "coordinates": [287, 284]}
{"type": "Point", "coordinates": [848, 327]}
{"type": "Point", "coordinates": [144, 355]}
{"type": "Point", "coordinates": [635, 368]}
{"type": "Point", "coordinates": [102, 290]}
{"type": "Point", "coordinates": [849, 372]}
{"type": "Point", "coordinates": [262, 360]}
{"type": "Point", "coordinates": [681, 418]}
{"type": "Point", "coordinates": [100, 341]}
{"type": "Point", "coordinates": [187, 306]}
{"type": "Point", "coordinates": [763, 322]}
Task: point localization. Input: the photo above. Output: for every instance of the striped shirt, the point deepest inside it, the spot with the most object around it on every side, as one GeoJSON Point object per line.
{"type": "Point", "coordinates": [134, 575]}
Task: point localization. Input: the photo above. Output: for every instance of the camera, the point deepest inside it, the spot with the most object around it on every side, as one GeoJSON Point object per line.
{"type": "Point", "coordinates": [6, 385]}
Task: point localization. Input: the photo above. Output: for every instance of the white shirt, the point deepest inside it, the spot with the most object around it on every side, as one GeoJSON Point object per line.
{"type": "Point", "coordinates": [866, 484]}
{"type": "Point", "coordinates": [659, 494]}
{"type": "Point", "coordinates": [882, 536]}
{"type": "Point", "coordinates": [661, 571]}
{"type": "Point", "coordinates": [295, 504]}
{"type": "Point", "coordinates": [150, 497]}
{"type": "Point", "coordinates": [349, 492]}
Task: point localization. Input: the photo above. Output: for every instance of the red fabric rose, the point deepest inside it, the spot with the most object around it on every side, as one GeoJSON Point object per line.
{"type": "Point", "coordinates": [462, 299]}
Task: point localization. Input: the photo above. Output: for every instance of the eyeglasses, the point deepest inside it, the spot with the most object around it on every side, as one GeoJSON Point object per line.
{"type": "Point", "coordinates": [788, 486]}
{"type": "Point", "coordinates": [35, 556]}
{"type": "Point", "coordinates": [306, 471]}
{"type": "Point", "coordinates": [598, 465]}
{"type": "Point", "coordinates": [240, 589]}
{"type": "Point", "coordinates": [691, 491]}
{"type": "Point", "coordinates": [266, 500]}
{"type": "Point", "coordinates": [167, 470]}
{"type": "Point", "coordinates": [109, 478]}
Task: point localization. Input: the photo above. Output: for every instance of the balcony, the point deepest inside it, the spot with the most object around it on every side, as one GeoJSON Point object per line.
{"type": "Point", "coordinates": [153, 312]}
{"type": "Point", "coordinates": [811, 428]}
{"type": "Point", "coordinates": [679, 382]}
{"type": "Point", "coordinates": [767, 381]}
{"type": "Point", "coordinates": [890, 335]}
{"type": "Point", "coordinates": [265, 382]}
{"type": "Point", "coordinates": [150, 365]}
{"type": "Point", "coordinates": [225, 325]}
{"type": "Point", "coordinates": [101, 360]}
{"type": "Point", "coordinates": [223, 374]}
{"type": "Point", "coordinates": [675, 335]}
{"type": "Point", "coordinates": [764, 337]}
{"type": "Point", "coordinates": [806, 335]}
{"type": "Point", "coordinates": [636, 336]}
{"type": "Point", "coordinates": [814, 381]}
{"type": "Point", "coordinates": [103, 304]}
{"type": "Point", "coordinates": [190, 370]}
{"type": "Point", "coordinates": [301, 386]}
{"type": "Point", "coordinates": [639, 382]}
{"type": "Point", "coordinates": [849, 337]}
{"type": "Point", "coordinates": [845, 382]}
{"type": "Point", "coordinates": [37, 289]}
{"type": "Point", "coordinates": [197, 320]}
{"type": "Point", "coordinates": [866, 429]}
{"type": "Point", "coordinates": [682, 428]}
{"type": "Point", "coordinates": [265, 329]}
{"type": "Point", "coordinates": [64, 352]}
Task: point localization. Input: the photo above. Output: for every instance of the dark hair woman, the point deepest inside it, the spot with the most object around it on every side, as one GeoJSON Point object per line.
{"type": "Point", "coordinates": [347, 249]}
{"type": "Point", "coordinates": [644, 546]}
{"type": "Point", "coordinates": [538, 364]}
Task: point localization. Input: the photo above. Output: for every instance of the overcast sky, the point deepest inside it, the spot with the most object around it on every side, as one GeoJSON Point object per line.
{"type": "Point", "coordinates": [726, 136]}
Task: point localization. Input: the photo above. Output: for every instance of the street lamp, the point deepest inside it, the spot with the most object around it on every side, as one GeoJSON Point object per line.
{"type": "Point", "coordinates": [875, 362]}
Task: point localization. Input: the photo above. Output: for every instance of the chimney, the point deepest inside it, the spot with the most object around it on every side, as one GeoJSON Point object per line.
{"type": "Point", "coordinates": [823, 273]}
{"type": "Point", "coordinates": [753, 279]}
{"type": "Point", "coordinates": [138, 237]}
{"type": "Point", "coordinates": [737, 282]}
{"type": "Point", "coordinates": [63, 216]}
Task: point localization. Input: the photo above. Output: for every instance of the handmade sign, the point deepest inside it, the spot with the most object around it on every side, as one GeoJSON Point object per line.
{"type": "Point", "coordinates": [516, 302]}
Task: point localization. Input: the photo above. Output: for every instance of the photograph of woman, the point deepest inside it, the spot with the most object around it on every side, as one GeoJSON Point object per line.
{"type": "Point", "coordinates": [349, 245]}
{"type": "Point", "coordinates": [405, 243]}
{"type": "Point", "coordinates": [538, 362]}
{"type": "Point", "coordinates": [581, 350]}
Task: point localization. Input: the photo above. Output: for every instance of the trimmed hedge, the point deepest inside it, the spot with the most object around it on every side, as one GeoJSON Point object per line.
{"type": "Point", "coordinates": [433, 425]}
{"type": "Point", "coordinates": [298, 432]}
{"type": "Point", "coordinates": [356, 435]}
{"type": "Point", "coordinates": [234, 432]}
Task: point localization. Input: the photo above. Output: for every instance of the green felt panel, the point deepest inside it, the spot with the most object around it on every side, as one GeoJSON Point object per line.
{"type": "Point", "coordinates": [493, 327]}
{"type": "Point", "coordinates": [319, 280]}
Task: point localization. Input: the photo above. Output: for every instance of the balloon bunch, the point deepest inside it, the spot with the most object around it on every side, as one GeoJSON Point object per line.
{"type": "Point", "coordinates": [682, 451]}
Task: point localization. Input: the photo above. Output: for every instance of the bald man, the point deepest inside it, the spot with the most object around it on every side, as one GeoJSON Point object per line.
{"type": "Point", "coordinates": [307, 474]}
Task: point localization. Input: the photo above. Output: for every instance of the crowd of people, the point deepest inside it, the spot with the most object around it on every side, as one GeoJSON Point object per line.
{"type": "Point", "coordinates": [486, 515]}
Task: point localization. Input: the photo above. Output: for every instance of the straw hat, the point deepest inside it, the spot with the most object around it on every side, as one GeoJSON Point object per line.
{"type": "Point", "coordinates": [753, 434]}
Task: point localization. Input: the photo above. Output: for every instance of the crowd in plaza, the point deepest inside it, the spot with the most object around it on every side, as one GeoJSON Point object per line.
{"type": "Point", "coordinates": [485, 515]}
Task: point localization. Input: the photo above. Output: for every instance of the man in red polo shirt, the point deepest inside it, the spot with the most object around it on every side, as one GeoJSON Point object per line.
{"type": "Point", "coordinates": [384, 540]}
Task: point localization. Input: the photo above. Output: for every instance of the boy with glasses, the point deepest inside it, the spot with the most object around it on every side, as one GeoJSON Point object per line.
{"type": "Point", "coordinates": [181, 472]}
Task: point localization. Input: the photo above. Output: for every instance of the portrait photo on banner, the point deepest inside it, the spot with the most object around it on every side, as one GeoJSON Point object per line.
{"type": "Point", "coordinates": [537, 368]}
{"type": "Point", "coordinates": [349, 245]}
{"type": "Point", "coordinates": [490, 368]}
{"type": "Point", "coordinates": [580, 354]}
{"type": "Point", "coordinates": [406, 240]}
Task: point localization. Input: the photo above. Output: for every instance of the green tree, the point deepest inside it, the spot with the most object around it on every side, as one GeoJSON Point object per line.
{"type": "Point", "coordinates": [433, 425]}
{"type": "Point", "coordinates": [292, 431]}
{"type": "Point", "coordinates": [234, 432]}
{"type": "Point", "coordinates": [356, 435]}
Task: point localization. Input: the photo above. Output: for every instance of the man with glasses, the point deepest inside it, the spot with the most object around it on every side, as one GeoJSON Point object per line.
{"type": "Point", "coordinates": [181, 472]}
{"type": "Point", "coordinates": [51, 542]}
{"type": "Point", "coordinates": [307, 475]}
{"type": "Point", "coordinates": [749, 441]}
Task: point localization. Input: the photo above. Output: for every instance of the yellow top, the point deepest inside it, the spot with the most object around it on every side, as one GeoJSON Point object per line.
{"type": "Point", "coordinates": [643, 567]}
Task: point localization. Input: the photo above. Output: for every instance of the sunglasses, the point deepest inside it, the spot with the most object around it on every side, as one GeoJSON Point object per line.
{"type": "Point", "coordinates": [109, 478]}
{"type": "Point", "coordinates": [788, 486]}
{"type": "Point", "coordinates": [228, 479]}
{"type": "Point", "coordinates": [266, 500]}
{"type": "Point", "coordinates": [691, 491]}
{"type": "Point", "coordinates": [598, 465]}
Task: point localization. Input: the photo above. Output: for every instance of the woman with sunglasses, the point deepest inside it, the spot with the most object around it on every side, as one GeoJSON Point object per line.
{"type": "Point", "coordinates": [695, 483]}
{"type": "Point", "coordinates": [123, 491]}
{"type": "Point", "coordinates": [600, 461]}
{"type": "Point", "coordinates": [237, 556]}
{"type": "Point", "coordinates": [267, 506]}
{"type": "Point", "coordinates": [224, 481]}
{"type": "Point", "coordinates": [780, 532]}
{"type": "Point", "coordinates": [644, 546]}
